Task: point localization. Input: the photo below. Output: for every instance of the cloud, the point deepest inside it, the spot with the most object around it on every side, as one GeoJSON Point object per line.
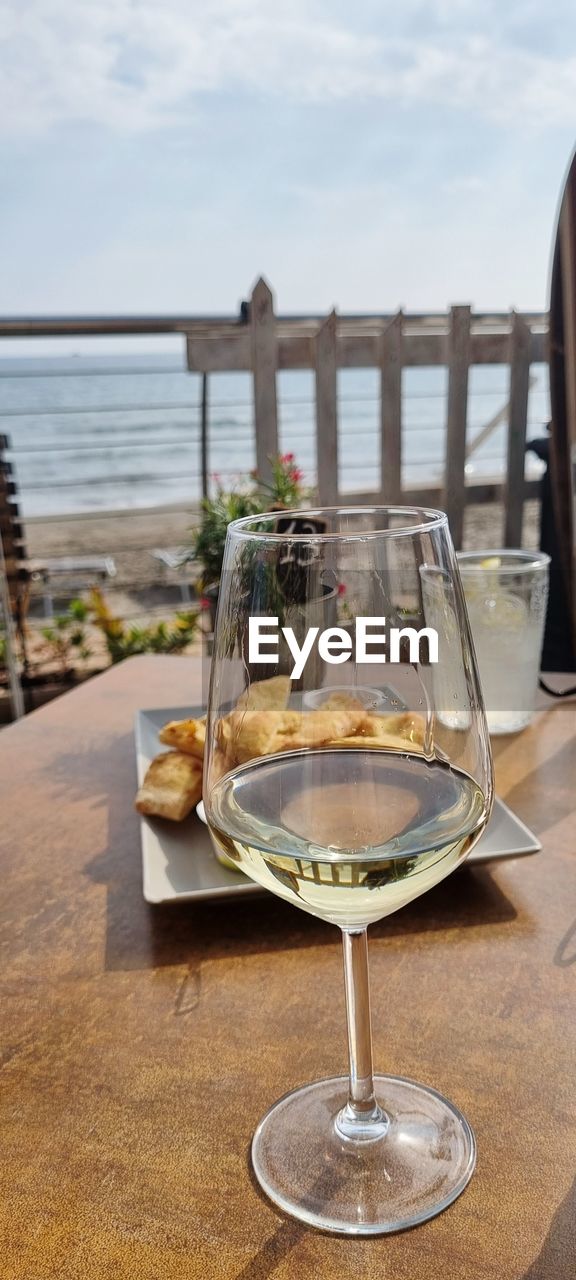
{"type": "Point", "coordinates": [466, 184]}
{"type": "Point", "coordinates": [135, 65]}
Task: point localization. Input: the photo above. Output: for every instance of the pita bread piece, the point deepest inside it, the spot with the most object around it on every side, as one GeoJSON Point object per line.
{"type": "Point", "coordinates": [265, 695]}
{"type": "Point", "coordinates": [172, 786]}
{"type": "Point", "coordinates": [188, 736]}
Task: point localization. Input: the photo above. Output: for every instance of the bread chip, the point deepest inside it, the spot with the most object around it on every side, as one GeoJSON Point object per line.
{"type": "Point", "coordinates": [172, 786]}
{"type": "Point", "coordinates": [265, 733]}
{"type": "Point", "coordinates": [260, 726]}
{"type": "Point", "coordinates": [188, 736]}
{"type": "Point", "coordinates": [265, 695]}
{"type": "Point", "coordinates": [336, 701]}
{"type": "Point", "coordinates": [261, 733]}
{"type": "Point", "coordinates": [319, 727]}
{"type": "Point", "coordinates": [403, 724]}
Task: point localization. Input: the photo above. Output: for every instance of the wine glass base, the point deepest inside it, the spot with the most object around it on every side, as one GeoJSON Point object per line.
{"type": "Point", "coordinates": [416, 1169]}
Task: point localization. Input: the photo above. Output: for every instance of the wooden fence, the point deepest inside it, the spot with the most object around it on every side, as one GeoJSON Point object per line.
{"type": "Point", "coordinates": [263, 344]}
{"type": "Point", "coordinates": [260, 342]}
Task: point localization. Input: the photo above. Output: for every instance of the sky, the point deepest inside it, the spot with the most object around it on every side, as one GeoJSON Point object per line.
{"type": "Point", "coordinates": [368, 155]}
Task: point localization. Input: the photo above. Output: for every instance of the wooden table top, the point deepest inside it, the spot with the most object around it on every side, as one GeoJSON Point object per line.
{"type": "Point", "coordinates": [141, 1045]}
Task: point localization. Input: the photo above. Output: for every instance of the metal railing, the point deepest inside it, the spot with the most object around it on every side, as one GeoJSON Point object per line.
{"type": "Point", "coordinates": [262, 345]}
{"type": "Point", "coordinates": [259, 343]}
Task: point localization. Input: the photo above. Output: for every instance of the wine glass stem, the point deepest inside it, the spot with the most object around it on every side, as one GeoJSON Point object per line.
{"type": "Point", "coordinates": [362, 1117]}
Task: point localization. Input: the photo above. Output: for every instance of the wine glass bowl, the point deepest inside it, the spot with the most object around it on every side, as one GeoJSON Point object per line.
{"type": "Point", "coordinates": [349, 807]}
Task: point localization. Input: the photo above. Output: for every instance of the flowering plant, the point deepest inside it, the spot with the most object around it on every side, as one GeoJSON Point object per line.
{"type": "Point", "coordinates": [285, 489]}
{"type": "Point", "coordinates": [344, 611]}
{"type": "Point", "coordinates": [217, 513]}
{"type": "Point", "coordinates": [251, 496]}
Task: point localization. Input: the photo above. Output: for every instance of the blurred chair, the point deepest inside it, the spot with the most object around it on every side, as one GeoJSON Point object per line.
{"type": "Point", "coordinates": [79, 570]}
{"type": "Point", "coordinates": [176, 560]}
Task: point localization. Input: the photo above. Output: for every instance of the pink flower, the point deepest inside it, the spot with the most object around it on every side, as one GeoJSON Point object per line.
{"type": "Point", "coordinates": [341, 589]}
{"type": "Point", "coordinates": [296, 475]}
{"type": "Point", "coordinates": [286, 457]}
{"type": "Point", "coordinates": [205, 603]}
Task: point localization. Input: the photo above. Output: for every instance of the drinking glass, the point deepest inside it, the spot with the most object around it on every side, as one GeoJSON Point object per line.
{"type": "Point", "coordinates": [349, 813]}
{"type": "Point", "coordinates": [506, 595]}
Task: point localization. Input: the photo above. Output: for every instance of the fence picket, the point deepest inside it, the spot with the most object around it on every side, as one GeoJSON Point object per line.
{"type": "Point", "coordinates": [326, 411]}
{"type": "Point", "coordinates": [457, 416]}
{"type": "Point", "coordinates": [264, 366]}
{"type": "Point", "coordinates": [519, 389]}
{"type": "Point", "coordinates": [391, 410]}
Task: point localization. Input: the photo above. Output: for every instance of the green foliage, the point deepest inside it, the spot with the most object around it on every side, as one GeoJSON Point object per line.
{"type": "Point", "coordinates": [124, 641]}
{"type": "Point", "coordinates": [66, 638]}
{"type": "Point", "coordinates": [217, 513]}
{"type": "Point", "coordinates": [79, 610]}
{"type": "Point", "coordinates": [282, 492]}
{"type": "Point", "coordinates": [160, 637]}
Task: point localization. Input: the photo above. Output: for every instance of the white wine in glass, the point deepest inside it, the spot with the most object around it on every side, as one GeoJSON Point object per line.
{"type": "Point", "coordinates": [349, 814]}
{"type": "Point", "coordinates": [366, 830]}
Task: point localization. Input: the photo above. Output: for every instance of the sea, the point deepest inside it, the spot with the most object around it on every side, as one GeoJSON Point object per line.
{"type": "Point", "coordinates": [102, 433]}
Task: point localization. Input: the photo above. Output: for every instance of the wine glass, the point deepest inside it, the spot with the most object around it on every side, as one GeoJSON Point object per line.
{"type": "Point", "coordinates": [349, 807]}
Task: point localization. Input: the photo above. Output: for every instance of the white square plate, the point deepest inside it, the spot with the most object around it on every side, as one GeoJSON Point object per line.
{"type": "Point", "coordinates": [179, 862]}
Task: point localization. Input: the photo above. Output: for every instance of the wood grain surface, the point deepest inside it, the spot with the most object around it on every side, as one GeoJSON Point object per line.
{"type": "Point", "coordinates": [140, 1045]}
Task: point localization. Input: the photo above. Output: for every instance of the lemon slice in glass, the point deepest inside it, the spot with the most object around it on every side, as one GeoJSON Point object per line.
{"type": "Point", "coordinates": [488, 577]}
